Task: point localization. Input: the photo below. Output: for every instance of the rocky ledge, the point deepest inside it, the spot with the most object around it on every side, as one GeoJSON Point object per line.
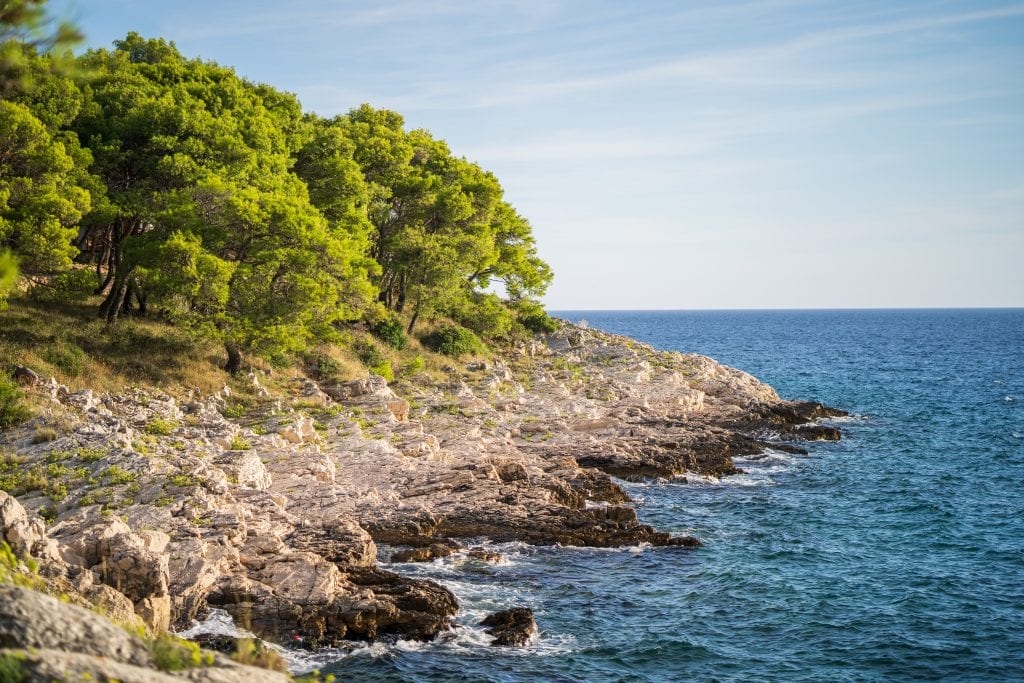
{"type": "Point", "coordinates": [160, 507]}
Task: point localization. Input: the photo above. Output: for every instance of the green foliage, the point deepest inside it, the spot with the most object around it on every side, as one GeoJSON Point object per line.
{"type": "Point", "coordinates": [119, 475]}
{"type": "Point", "coordinates": [238, 443]}
{"type": "Point", "coordinates": [390, 331]}
{"type": "Point", "coordinates": [370, 354]}
{"type": "Point", "coordinates": [12, 668]}
{"type": "Point", "coordinates": [413, 367]}
{"type": "Point", "coordinates": [240, 219]}
{"type": "Point", "coordinates": [454, 341]}
{"type": "Point", "coordinates": [534, 318]}
{"type": "Point", "coordinates": [161, 427]}
{"type": "Point", "coordinates": [8, 276]}
{"type": "Point", "coordinates": [18, 572]}
{"type": "Point", "coordinates": [74, 285]}
{"type": "Point", "coordinates": [12, 403]}
{"type": "Point", "coordinates": [174, 654]}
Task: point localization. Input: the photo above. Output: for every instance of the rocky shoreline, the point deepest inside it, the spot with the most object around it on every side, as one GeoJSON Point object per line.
{"type": "Point", "coordinates": [159, 508]}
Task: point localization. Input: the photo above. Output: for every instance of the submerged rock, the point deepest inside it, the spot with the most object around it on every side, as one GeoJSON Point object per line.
{"type": "Point", "coordinates": [511, 627]}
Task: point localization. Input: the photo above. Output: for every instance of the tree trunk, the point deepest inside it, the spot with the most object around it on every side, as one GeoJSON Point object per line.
{"type": "Point", "coordinates": [234, 364]}
{"type": "Point", "coordinates": [415, 315]}
{"type": "Point", "coordinates": [115, 301]}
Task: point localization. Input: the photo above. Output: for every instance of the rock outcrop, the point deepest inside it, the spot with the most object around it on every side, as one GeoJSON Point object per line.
{"type": "Point", "coordinates": [164, 506]}
{"type": "Point", "coordinates": [511, 627]}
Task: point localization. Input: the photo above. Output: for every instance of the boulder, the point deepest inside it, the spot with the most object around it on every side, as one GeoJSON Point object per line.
{"type": "Point", "coordinates": [511, 627]}
{"type": "Point", "coordinates": [33, 620]}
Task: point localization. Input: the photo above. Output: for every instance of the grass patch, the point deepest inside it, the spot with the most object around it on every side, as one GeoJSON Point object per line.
{"type": "Point", "coordinates": [13, 409]}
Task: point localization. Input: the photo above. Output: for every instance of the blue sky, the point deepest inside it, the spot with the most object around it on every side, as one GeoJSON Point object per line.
{"type": "Point", "coordinates": [761, 154]}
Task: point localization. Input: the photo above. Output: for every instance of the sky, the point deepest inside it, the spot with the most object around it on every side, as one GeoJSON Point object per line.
{"type": "Point", "coordinates": [683, 155]}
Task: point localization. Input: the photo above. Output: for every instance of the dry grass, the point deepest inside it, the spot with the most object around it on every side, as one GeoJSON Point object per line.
{"type": "Point", "coordinates": [70, 342]}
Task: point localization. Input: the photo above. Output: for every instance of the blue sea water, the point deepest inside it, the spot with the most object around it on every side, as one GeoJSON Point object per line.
{"type": "Point", "coordinates": [895, 554]}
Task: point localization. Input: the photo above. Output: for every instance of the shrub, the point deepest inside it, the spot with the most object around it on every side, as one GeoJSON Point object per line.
{"type": "Point", "coordinates": [174, 654]}
{"type": "Point", "coordinates": [12, 403]}
{"type": "Point", "coordinates": [323, 366]}
{"type": "Point", "coordinates": [413, 367]}
{"type": "Point", "coordinates": [391, 332]}
{"type": "Point", "coordinates": [540, 323]}
{"type": "Point", "coordinates": [74, 285]}
{"type": "Point", "coordinates": [486, 315]}
{"type": "Point", "coordinates": [384, 370]}
{"type": "Point", "coordinates": [454, 341]}
{"type": "Point", "coordinates": [239, 444]}
{"type": "Point", "coordinates": [369, 354]}
{"type": "Point", "coordinates": [160, 427]}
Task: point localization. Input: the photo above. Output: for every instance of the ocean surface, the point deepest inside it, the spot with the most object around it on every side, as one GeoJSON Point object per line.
{"type": "Point", "coordinates": [895, 554]}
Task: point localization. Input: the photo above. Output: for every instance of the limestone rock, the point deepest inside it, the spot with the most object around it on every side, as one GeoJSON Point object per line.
{"type": "Point", "coordinates": [33, 620]}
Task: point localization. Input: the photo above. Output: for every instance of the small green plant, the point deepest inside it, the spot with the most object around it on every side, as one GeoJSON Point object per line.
{"type": "Point", "coordinates": [91, 454]}
{"type": "Point", "coordinates": [23, 573]}
{"type": "Point", "coordinates": [413, 367]}
{"type": "Point", "coordinates": [314, 676]}
{"type": "Point", "coordinates": [12, 403]}
{"type": "Point", "coordinates": [391, 332]}
{"type": "Point", "coordinates": [370, 354]}
{"type": "Point", "coordinates": [174, 654]}
{"type": "Point", "coordinates": [539, 322]}
{"type": "Point", "coordinates": [184, 480]}
{"type": "Point", "coordinates": [238, 443]}
{"type": "Point", "coordinates": [12, 668]}
{"type": "Point", "coordinates": [384, 370]}
{"type": "Point", "coordinates": [161, 427]}
{"type": "Point", "coordinates": [454, 341]}
{"type": "Point", "coordinates": [119, 475]}
{"type": "Point", "coordinates": [235, 409]}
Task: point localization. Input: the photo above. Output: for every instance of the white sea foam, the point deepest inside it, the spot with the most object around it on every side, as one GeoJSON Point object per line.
{"type": "Point", "coordinates": [219, 623]}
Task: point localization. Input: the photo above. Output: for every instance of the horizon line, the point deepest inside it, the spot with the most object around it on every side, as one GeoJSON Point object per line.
{"type": "Point", "coordinates": [782, 309]}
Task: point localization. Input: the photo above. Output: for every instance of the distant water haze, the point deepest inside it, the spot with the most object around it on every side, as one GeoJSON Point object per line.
{"type": "Point", "coordinates": [759, 154]}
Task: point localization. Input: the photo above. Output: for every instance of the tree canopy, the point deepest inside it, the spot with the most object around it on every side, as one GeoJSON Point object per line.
{"type": "Point", "coordinates": [174, 186]}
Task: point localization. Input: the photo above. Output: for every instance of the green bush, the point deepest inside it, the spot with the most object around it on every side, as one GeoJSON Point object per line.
{"type": "Point", "coordinates": [370, 355]}
{"type": "Point", "coordinates": [174, 654]}
{"type": "Point", "coordinates": [413, 367]}
{"type": "Point", "coordinates": [12, 403]}
{"type": "Point", "coordinates": [534, 318]}
{"type": "Point", "coordinates": [391, 332]}
{"type": "Point", "coordinates": [454, 341]}
{"type": "Point", "coordinates": [74, 285]}
{"type": "Point", "coordinates": [323, 366]}
{"type": "Point", "coordinates": [486, 315]}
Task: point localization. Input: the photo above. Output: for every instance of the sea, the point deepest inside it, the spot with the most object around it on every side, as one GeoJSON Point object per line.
{"type": "Point", "coordinates": [895, 554]}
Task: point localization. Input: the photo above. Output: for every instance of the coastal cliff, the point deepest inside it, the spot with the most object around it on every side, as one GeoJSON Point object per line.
{"type": "Point", "coordinates": [158, 507]}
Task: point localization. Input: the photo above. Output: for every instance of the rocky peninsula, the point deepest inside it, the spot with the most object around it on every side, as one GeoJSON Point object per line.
{"type": "Point", "coordinates": [154, 508]}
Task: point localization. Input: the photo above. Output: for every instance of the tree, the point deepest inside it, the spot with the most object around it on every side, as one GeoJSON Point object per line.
{"type": "Point", "coordinates": [210, 222]}
{"type": "Point", "coordinates": [40, 202]}
{"type": "Point", "coordinates": [25, 31]}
